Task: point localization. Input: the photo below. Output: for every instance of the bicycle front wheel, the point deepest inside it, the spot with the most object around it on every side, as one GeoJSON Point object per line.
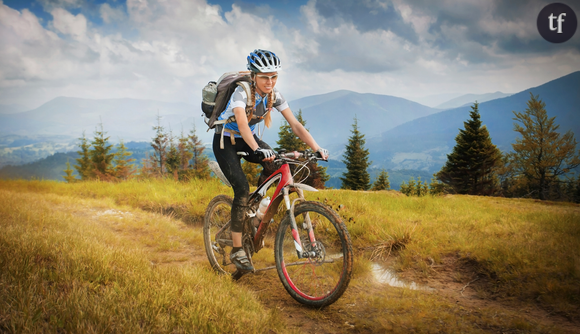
{"type": "Point", "coordinates": [217, 235]}
{"type": "Point", "coordinates": [322, 277]}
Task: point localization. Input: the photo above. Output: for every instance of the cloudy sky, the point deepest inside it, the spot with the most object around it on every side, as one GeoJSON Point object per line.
{"type": "Point", "coordinates": [168, 49]}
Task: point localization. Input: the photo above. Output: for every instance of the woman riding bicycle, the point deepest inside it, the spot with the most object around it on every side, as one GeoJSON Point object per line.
{"type": "Point", "coordinates": [263, 66]}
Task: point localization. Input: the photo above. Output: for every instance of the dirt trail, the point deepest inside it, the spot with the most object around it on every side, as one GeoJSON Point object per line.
{"type": "Point", "coordinates": [347, 315]}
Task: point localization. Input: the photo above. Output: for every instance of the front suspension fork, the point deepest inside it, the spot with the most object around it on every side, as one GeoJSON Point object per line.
{"type": "Point", "coordinates": [307, 225]}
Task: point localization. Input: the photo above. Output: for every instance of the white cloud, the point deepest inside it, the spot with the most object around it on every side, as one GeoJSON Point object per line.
{"type": "Point", "coordinates": [168, 49]}
{"type": "Point", "coordinates": [66, 23]}
{"type": "Point", "coordinates": [110, 14]}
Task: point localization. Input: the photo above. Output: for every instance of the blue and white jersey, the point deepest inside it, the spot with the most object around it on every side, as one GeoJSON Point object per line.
{"type": "Point", "coordinates": [240, 99]}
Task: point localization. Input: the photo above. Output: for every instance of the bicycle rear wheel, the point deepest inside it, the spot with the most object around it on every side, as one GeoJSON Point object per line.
{"type": "Point", "coordinates": [217, 235]}
{"type": "Point", "coordinates": [322, 278]}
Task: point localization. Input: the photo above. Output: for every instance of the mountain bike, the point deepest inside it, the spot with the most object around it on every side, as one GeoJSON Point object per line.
{"type": "Point", "coordinates": [312, 247]}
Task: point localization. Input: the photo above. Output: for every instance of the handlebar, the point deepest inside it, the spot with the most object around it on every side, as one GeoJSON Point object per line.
{"type": "Point", "coordinates": [307, 154]}
{"type": "Point", "coordinates": [295, 155]}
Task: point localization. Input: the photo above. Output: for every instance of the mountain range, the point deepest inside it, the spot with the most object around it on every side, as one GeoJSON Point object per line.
{"type": "Point", "coordinates": [467, 99]}
{"type": "Point", "coordinates": [400, 134]}
{"type": "Point", "coordinates": [126, 119]}
{"type": "Point", "coordinates": [423, 143]}
{"type": "Point", "coordinates": [329, 117]}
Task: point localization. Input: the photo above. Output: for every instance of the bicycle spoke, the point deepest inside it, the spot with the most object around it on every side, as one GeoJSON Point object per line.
{"type": "Point", "coordinates": [217, 235]}
{"type": "Point", "coordinates": [322, 277]}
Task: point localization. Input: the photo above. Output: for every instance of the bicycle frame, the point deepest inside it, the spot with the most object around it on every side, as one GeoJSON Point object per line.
{"type": "Point", "coordinates": [285, 186]}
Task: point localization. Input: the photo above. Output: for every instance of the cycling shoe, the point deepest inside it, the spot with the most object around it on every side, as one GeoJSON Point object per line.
{"type": "Point", "coordinates": [241, 261]}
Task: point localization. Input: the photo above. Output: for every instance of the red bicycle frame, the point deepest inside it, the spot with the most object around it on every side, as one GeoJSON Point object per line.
{"type": "Point", "coordinates": [285, 186]}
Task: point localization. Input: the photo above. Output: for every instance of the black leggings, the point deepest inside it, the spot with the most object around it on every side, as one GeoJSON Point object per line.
{"type": "Point", "coordinates": [230, 164]}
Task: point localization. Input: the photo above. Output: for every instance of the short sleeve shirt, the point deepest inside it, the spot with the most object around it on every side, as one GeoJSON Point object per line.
{"type": "Point", "coordinates": [240, 99]}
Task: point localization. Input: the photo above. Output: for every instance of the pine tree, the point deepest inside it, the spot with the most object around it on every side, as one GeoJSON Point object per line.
{"type": "Point", "coordinates": [199, 161]}
{"type": "Point", "coordinates": [471, 166]}
{"type": "Point", "coordinates": [173, 159]}
{"type": "Point", "coordinates": [101, 156]}
{"type": "Point", "coordinates": [356, 160]}
{"type": "Point", "coordinates": [124, 168]}
{"type": "Point", "coordinates": [541, 156]}
{"type": "Point", "coordinates": [409, 189]}
{"type": "Point", "coordinates": [382, 182]}
{"type": "Point", "coordinates": [290, 142]}
{"type": "Point", "coordinates": [159, 145]}
{"type": "Point", "coordinates": [421, 188]}
{"type": "Point", "coordinates": [69, 177]}
{"type": "Point", "coordinates": [436, 187]}
{"type": "Point", "coordinates": [147, 169]}
{"type": "Point", "coordinates": [85, 166]}
{"type": "Point", "coordinates": [287, 139]}
{"type": "Point", "coordinates": [185, 173]}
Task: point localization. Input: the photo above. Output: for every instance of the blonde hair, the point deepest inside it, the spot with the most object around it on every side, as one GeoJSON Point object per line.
{"type": "Point", "coordinates": [250, 106]}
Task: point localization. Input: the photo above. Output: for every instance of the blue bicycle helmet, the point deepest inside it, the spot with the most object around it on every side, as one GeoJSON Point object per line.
{"type": "Point", "coordinates": [263, 61]}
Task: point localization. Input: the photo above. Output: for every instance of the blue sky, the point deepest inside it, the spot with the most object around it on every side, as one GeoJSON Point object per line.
{"type": "Point", "coordinates": [167, 50]}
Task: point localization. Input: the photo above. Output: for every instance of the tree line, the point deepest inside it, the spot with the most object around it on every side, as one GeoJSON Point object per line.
{"type": "Point", "coordinates": [181, 158]}
{"type": "Point", "coordinates": [541, 164]}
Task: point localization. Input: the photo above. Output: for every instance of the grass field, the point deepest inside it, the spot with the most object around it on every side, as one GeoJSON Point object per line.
{"type": "Point", "coordinates": [98, 257]}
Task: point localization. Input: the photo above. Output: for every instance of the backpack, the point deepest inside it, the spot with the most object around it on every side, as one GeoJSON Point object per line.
{"type": "Point", "coordinates": [216, 95]}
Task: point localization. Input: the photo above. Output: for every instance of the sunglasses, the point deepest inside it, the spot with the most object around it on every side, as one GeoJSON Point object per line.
{"type": "Point", "coordinates": [266, 77]}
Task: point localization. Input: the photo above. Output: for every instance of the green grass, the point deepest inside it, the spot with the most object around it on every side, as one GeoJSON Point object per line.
{"type": "Point", "coordinates": [110, 257]}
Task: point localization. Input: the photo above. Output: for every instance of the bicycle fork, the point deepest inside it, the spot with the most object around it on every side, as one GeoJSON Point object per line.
{"type": "Point", "coordinates": [306, 225]}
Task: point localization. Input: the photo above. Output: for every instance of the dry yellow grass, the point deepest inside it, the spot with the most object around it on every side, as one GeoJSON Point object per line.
{"type": "Point", "coordinates": [80, 265]}
{"type": "Point", "coordinates": [119, 248]}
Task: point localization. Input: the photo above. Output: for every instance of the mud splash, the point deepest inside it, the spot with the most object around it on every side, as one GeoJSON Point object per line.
{"type": "Point", "coordinates": [387, 276]}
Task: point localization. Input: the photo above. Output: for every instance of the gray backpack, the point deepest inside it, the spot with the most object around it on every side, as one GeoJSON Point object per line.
{"type": "Point", "coordinates": [215, 95]}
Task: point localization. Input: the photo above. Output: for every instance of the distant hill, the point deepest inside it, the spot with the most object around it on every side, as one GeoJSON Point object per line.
{"type": "Point", "coordinates": [49, 168]}
{"type": "Point", "coordinates": [434, 100]}
{"type": "Point", "coordinates": [12, 108]}
{"type": "Point", "coordinates": [423, 143]}
{"type": "Point", "coordinates": [126, 119]}
{"type": "Point", "coordinates": [329, 117]}
{"type": "Point", "coordinates": [469, 99]}
{"type": "Point", "coordinates": [52, 166]}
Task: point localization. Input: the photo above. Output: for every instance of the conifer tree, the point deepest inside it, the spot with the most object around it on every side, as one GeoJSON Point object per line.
{"type": "Point", "coordinates": [436, 187]}
{"type": "Point", "coordinates": [69, 177]}
{"type": "Point", "coordinates": [541, 156]}
{"type": "Point", "coordinates": [382, 181]}
{"type": "Point", "coordinates": [184, 172]}
{"type": "Point", "coordinates": [199, 160]}
{"type": "Point", "coordinates": [124, 168]}
{"type": "Point", "coordinates": [421, 188]}
{"type": "Point", "coordinates": [356, 160]}
{"type": "Point", "coordinates": [101, 156]}
{"type": "Point", "coordinates": [471, 166]}
{"type": "Point", "coordinates": [85, 166]}
{"type": "Point", "coordinates": [173, 159]}
{"type": "Point", "coordinates": [147, 169]}
{"type": "Point", "coordinates": [290, 142]}
{"type": "Point", "coordinates": [408, 188]}
{"type": "Point", "coordinates": [159, 145]}
{"type": "Point", "coordinates": [287, 139]}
